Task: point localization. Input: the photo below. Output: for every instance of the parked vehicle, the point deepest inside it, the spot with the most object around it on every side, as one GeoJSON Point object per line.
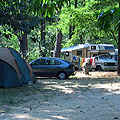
{"type": "Point", "coordinates": [78, 53]}
{"type": "Point", "coordinates": [105, 62]}
{"type": "Point", "coordinates": [52, 67]}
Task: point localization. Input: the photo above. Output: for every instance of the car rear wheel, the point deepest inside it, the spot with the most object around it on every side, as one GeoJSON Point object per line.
{"type": "Point", "coordinates": [62, 76]}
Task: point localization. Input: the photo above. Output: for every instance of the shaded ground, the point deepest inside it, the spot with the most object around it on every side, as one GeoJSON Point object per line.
{"type": "Point", "coordinates": [93, 97]}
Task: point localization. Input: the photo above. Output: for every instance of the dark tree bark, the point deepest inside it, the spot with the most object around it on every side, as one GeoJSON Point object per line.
{"type": "Point", "coordinates": [118, 71]}
{"type": "Point", "coordinates": [71, 30]}
{"type": "Point", "coordinates": [76, 2]}
{"type": "Point", "coordinates": [23, 44]}
{"type": "Point", "coordinates": [118, 51]}
{"type": "Point", "coordinates": [81, 38]}
{"type": "Point", "coordinates": [71, 27]}
{"type": "Point", "coordinates": [43, 36]}
{"type": "Point", "coordinates": [57, 49]}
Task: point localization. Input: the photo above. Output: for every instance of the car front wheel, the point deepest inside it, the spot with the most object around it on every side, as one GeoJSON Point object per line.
{"type": "Point", "coordinates": [98, 68]}
{"type": "Point", "coordinates": [62, 76]}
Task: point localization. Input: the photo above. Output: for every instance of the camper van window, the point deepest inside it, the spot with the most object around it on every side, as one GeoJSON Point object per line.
{"type": "Point", "coordinates": [79, 53]}
{"type": "Point", "coordinates": [93, 47]}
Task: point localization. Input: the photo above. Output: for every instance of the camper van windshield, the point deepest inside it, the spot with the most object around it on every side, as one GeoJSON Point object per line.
{"type": "Point", "coordinates": [109, 47]}
{"type": "Point", "coordinates": [105, 57]}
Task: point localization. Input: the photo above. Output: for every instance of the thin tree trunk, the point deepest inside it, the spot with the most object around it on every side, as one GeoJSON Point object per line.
{"type": "Point", "coordinates": [81, 38]}
{"type": "Point", "coordinates": [71, 27]}
{"type": "Point", "coordinates": [76, 2]}
{"type": "Point", "coordinates": [57, 49]}
{"type": "Point", "coordinates": [23, 44]}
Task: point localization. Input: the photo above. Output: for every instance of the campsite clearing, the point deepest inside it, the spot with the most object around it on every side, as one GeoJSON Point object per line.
{"type": "Point", "coordinates": [93, 97]}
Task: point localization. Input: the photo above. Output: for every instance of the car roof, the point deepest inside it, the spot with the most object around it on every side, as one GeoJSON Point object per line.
{"type": "Point", "coordinates": [47, 58]}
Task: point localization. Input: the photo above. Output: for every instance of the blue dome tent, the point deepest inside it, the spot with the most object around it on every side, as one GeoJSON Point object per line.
{"type": "Point", "coordinates": [14, 71]}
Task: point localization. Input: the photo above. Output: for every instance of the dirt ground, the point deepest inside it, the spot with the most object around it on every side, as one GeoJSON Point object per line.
{"type": "Point", "coordinates": [92, 97]}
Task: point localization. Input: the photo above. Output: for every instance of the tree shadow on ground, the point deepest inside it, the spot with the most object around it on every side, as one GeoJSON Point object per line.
{"type": "Point", "coordinates": [46, 89]}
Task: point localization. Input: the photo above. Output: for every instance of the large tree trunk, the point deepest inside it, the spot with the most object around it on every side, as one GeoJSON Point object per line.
{"type": "Point", "coordinates": [43, 36]}
{"type": "Point", "coordinates": [23, 44]}
{"type": "Point", "coordinates": [119, 51]}
{"type": "Point", "coordinates": [57, 49]}
{"type": "Point", "coordinates": [119, 48]}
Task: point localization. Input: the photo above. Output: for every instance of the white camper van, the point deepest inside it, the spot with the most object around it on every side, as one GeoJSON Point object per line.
{"type": "Point", "coordinates": [77, 54]}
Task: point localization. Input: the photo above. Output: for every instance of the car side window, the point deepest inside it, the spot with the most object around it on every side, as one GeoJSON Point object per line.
{"type": "Point", "coordinates": [40, 62]}
{"type": "Point", "coordinates": [50, 62]}
{"type": "Point", "coordinates": [57, 62]}
{"type": "Point", "coordinates": [43, 62]}
{"type": "Point", "coordinates": [54, 62]}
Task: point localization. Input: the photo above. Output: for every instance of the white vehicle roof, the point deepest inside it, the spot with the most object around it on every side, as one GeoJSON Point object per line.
{"type": "Point", "coordinates": [86, 45]}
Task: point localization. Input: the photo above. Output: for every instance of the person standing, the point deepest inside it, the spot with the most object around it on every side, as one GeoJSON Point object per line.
{"type": "Point", "coordinates": [87, 66]}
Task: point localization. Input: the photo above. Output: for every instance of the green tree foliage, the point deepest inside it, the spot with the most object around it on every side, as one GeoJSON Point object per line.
{"type": "Point", "coordinates": [18, 15]}
{"type": "Point", "coordinates": [24, 15]}
{"type": "Point", "coordinates": [36, 48]}
{"type": "Point", "coordinates": [95, 21]}
{"type": "Point", "coordinates": [109, 21]}
{"type": "Point", "coordinates": [86, 22]}
{"type": "Point", "coordinates": [8, 38]}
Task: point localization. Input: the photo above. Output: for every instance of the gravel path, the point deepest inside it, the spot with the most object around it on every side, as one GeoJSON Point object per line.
{"type": "Point", "coordinates": [93, 97]}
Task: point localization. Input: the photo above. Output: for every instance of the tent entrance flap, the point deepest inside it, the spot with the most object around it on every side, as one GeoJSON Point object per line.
{"type": "Point", "coordinates": [8, 75]}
